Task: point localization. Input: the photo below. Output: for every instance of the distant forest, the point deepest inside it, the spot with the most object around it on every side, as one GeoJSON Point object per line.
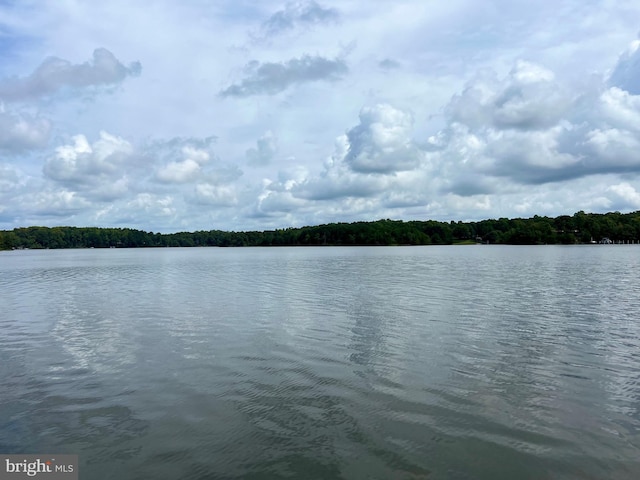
{"type": "Point", "coordinates": [581, 227]}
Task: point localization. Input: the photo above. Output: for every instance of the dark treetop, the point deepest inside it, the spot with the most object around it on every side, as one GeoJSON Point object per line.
{"type": "Point", "coordinates": [581, 227]}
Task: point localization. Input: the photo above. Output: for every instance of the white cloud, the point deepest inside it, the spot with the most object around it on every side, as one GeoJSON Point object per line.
{"type": "Point", "coordinates": [389, 64]}
{"type": "Point", "coordinates": [340, 183]}
{"type": "Point", "coordinates": [55, 74]}
{"type": "Point", "coordinates": [54, 203]}
{"type": "Point", "coordinates": [200, 156]}
{"type": "Point", "coordinates": [275, 203]}
{"type": "Point", "coordinates": [86, 165]}
{"type": "Point", "coordinates": [179, 172]}
{"type": "Point", "coordinates": [382, 142]}
{"type": "Point", "coordinates": [626, 192]}
{"type": "Point", "coordinates": [215, 195]}
{"type": "Point", "coordinates": [517, 151]}
{"type": "Point", "coordinates": [621, 109]}
{"type": "Point", "coordinates": [528, 98]}
{"type": "Point", "coordinates": [20, 132]}
{"type": "Point", "coordinates": [543, 136]}
{"type": "Point", "coordinates": [265, 150]}
{"type": "Point", "coordinates": [626, 74]}
{"type": "Point", "coordinates": [321, 112]}
{"type": "Point", "coordinates": [10, 178]}
{"type": "Point", "coordinates": [618, 148]}
{"type": "Point", "coordinates": [271, 78]}
{"type": "Point", "coordinates": [298, 14]}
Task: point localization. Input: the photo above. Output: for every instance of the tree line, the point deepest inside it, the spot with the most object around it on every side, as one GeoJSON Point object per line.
{"type": "Point", "coordinates": [579, 228]}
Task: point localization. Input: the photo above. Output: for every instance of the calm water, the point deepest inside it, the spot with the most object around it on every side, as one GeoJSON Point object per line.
{"type": "Point", "coordinates": [468, 362]}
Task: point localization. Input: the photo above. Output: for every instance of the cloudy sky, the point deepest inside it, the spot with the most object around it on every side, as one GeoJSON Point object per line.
{"type": "Point", "coordinates": [236, 115]}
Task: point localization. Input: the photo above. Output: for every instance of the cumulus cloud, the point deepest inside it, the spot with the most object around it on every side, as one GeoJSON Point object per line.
{"type": "Point", "coordinates": [626, 74]}
{"type": "Point", "coordinates": [183, 161]}
{"type": "Point", "coordinates": [375, 168]}
{"type": "Point", "coordinates": [338, 183]}
{"type": "Point", "coordinates": [370, 160]}
{"type": "Point", "coordinates": [266, 148]}
{"type": "Point", "coordinates": [528, 98]}
{"type": "Point", "coordinates": [389, 64]}
{"type": "Point", "coordinates": [199, 150]}
{"type": "Point", "coordinates": [215, 195]}
{"type": "Point", "coordinates": [56, 74]}
{"type": "Point", "coordinates": [337, 193]}
{"type": "Point", "coordinates": [614, 150]}
{"type": "Point", "coordinates": [179, 172]}
{"type": "Point", "coordinates": [111, 169]}
{"type": "Point", "coordinates": [275, 202]}
{"type": "Point", "coordinates": [273, 78]}
{"type": "Point", "coordinates": [343, 187]}
{"type": "Point", "coordinates": [190, 170]}
{"type": "Point", "coordinates": [528, 157]}
{"type": "Point", "coordinates": [620, 109]}
{"type": "Point", "coordinates": [276, 197]}
{"type": "Point", "coordinates": [114, 181]}
{"type": "Point", "coordinates": [627, 194]}
{"type": "Point", "coordinates": [551, 133]}
{"type": "Point", "coordinates": [298, 14]}
{"type": "Point", "coordinates": [20, 132]}
{"type": "Point", "coordinates": [382, 142]}
{"type": "Point", "coordinates": [502, 136]}
{"type": "Point", "coordinates": [74, 162]}
{"type": "Point", "coordinates": [55, 203]}
{"type": "Point", "coordinates": [9, 178]}
{"type": "Point", "coordinates": [98, 170]}
{"type": "Point", "coordinates": [527, 128]}
{"type": "Point", "coordinates": [150, 203]}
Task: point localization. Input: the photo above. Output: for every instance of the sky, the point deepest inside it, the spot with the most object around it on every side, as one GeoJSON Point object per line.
{"type": "Point", "coordinates": [173, 116]}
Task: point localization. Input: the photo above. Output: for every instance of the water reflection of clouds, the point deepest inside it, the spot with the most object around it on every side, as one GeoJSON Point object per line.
{"type": "Point", "coordinates": [600, 336]}
{"type": "Point", "coordinates": [93, 325]}
{"type": "Point", "coordinates": [391, 313]}
{"type": "Point", "coordinates": [368, 340]}
{"type": "Point", "coordinates": [556, 353]}
{"type": "Point", "coordinates": [391, 355]}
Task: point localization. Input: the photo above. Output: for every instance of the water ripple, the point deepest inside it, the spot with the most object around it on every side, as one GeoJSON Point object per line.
{"type": "Point", "coordinates": [439, 362]}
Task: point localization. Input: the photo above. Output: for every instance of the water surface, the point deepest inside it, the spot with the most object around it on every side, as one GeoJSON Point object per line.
{"type": "Point", "coordinates": [468, 362]}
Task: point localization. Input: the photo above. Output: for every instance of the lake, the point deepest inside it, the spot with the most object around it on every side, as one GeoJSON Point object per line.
{"type": "Point", "coordinates": [439, 362]}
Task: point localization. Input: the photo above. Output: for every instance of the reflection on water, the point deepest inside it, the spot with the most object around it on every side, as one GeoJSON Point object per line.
{"type": "Point", "coordinates": [436, 362]}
